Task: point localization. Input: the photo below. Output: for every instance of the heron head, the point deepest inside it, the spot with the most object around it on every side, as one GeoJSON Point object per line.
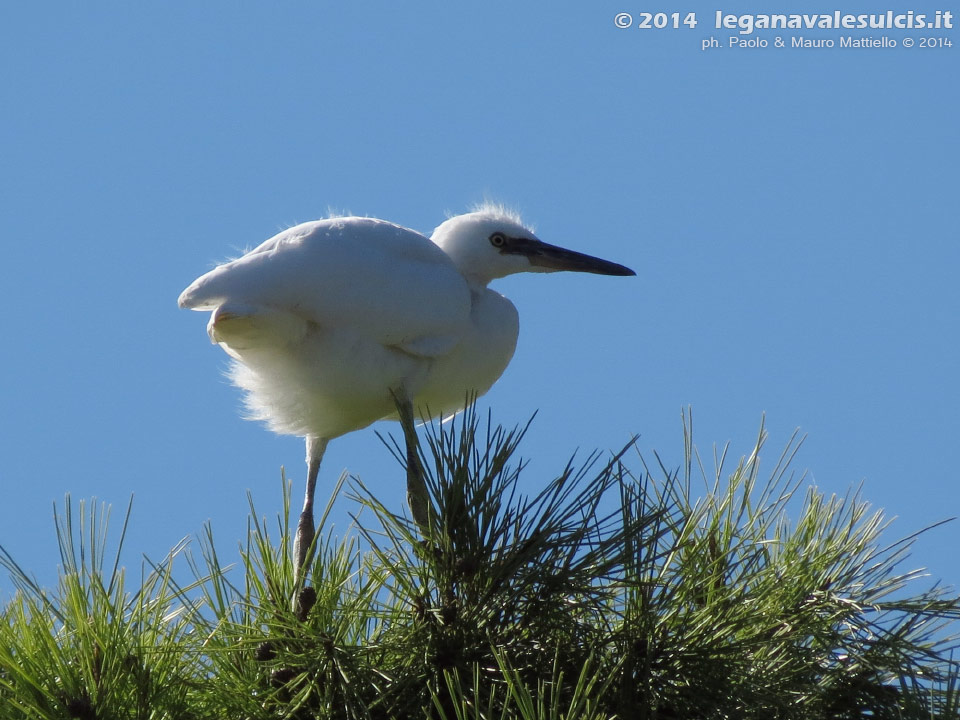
{"type": "Point", "coordinates": [491, 243]}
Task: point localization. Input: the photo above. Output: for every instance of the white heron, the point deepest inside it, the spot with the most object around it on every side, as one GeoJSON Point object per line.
{"type": "Point", "coordinates": [334, 324]}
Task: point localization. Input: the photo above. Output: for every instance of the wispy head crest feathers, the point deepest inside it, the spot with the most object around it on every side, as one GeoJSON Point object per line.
{"type": "Point", "coordinates": [500, 211]}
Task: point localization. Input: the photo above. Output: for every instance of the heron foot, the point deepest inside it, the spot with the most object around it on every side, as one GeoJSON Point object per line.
{"type": "Point", "coordinates": [306, 599]}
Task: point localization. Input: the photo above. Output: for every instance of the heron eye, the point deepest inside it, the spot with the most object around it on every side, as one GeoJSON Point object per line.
{"type": "Point", "coordinates": [498, 239]}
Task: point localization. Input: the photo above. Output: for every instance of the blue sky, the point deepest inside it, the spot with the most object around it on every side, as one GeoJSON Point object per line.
{"type": "Point", "coordinates": [791, 215]}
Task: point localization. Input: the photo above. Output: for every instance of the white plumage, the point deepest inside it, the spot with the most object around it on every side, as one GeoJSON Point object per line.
{"type": "Point", "coordinates": [329, 320]}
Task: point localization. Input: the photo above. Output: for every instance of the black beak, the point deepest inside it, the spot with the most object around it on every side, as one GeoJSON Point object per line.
{"type": "Point", "coordinates": [552, 257]}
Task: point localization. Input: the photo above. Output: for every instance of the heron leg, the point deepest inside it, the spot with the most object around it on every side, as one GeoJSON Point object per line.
{"type": "Point", "coordinates": [305, 527]}
{"type": "Point", "coordinates": [417, 497]}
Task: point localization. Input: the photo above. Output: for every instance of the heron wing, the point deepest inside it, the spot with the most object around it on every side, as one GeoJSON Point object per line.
{"type": "Point", "coordinates": [430, 346]}
{"type": "Point", "coordinates": [390, 283]}
{"type": "Point", "coordinates": [242, 327]}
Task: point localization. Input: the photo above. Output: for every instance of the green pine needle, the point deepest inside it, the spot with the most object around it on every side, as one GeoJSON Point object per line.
{"type": "Point", "coordinates": [705, 591]}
